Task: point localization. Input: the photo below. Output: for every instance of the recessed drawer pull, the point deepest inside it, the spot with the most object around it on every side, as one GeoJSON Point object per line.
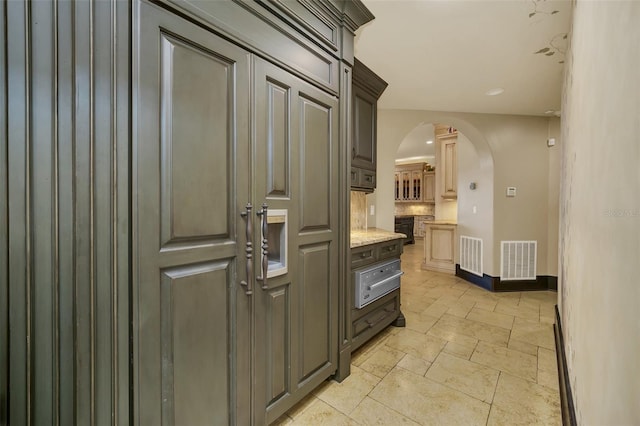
{"type": "Point", "coordinates": [386, 280]}
{"type": "Point", "coordinates": [364, 254]}
{"type": "Point", "coordinates": [387, 311]}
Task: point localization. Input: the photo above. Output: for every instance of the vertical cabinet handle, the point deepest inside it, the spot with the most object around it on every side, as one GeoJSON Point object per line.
{"type": "Point", "coordinates": [265, 246]}
{"type": "Point", "coordinates": [249, 251]}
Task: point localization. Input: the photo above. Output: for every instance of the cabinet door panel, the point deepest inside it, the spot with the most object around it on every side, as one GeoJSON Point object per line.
{"type": "Point", "coordinates": [314, 299]}
{"type": "Point", "coordinates": [190, 147]}
{"type": "Point", "coordinates": [278, 349]}
{"type": "Point", "coordinates": [364, 128]}
{"type": "Point", "coordinates": [316, 191]}
{"type": "Point", "coordinates": [278, 139]}
{"type": "Point", "coordinates": [191, 352]}
{"type": "Point", "coordinates": [430, 187]}
{"type": "Point", "coordinates": [296, 313]}
{"type": "Point", "coordinates": [450, 176]}
{"type": "Point", "coordinates": [193, 83]}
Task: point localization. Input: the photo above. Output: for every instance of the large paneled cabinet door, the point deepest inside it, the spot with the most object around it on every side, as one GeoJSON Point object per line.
{"type": "Point", "coordinates": [191, 317]}
{"type": "Point", "coordinates": [296, 172]}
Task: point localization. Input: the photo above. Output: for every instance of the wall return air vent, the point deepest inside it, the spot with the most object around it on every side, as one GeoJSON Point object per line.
{"type": "Point", "coordinates": [471, 255]}
{"type": "Point", "coordinates": [518, 260]}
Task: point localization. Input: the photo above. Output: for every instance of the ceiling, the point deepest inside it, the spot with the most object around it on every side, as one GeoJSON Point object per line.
{"type": "Point", "coordinates": [444, 55]}
{"type": "Point", "coordinates": [414, 147]}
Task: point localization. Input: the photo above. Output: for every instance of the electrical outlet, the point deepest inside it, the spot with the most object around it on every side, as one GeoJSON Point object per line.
{"type": "Point", "coordinates": [511, 191]}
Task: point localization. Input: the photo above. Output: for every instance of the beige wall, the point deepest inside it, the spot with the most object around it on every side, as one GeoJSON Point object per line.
{"type": "Point", "coordinates": [553, 197]}
{"type": "Point", "coordinates": [511, 151]}
{"type": "Point", "coordinates": [600, 213]}
{"type": "Point", "coordinates": [480, 223]}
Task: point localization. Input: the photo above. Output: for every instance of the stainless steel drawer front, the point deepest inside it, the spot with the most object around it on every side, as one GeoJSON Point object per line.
{"type": "Point", "coordinates": [376, 281]}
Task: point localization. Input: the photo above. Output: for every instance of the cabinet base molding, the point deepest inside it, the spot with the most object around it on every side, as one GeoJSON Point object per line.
{"type": "Point", "coordinates": [344, 364]}
{"type": "Point", "coordinates": [443, 269]}
{"type": "Point", "coordinates": [542, 282]}
{"type": "Point", "coordinates": [400, 322]}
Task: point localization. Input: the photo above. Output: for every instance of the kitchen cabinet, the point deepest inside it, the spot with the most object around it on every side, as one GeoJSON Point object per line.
{"type": "Point", "coordinates": [405, 225]}
{"type": "Point", "coordinates": [410, 183]}
{"type": "Point", "coordinates": [223, 137]}
{"type": "Point", "coordinates": [429, 187]}
{"type": "Point", "coordinates": [366, 90]}
{"type": "Point", "coordinates": [419, 225]}
{"type": "Point", "coordinates": [368, 321]}
{"type": "Point", "coordinates": [148, 148]}
{"type": "Point", "coordinates": [448, 167]}
{"type": "Point", "coordinates": [440, 245]}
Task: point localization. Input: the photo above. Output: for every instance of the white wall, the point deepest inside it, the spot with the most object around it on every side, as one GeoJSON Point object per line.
{"type": "Point", "coordinates": [600, 213]}
{"type": "Point", "coordinates": [512, 151]}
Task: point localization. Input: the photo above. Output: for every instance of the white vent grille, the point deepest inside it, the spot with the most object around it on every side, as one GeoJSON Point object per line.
{"type": "Point", "coordinates": [471, 255]}
{"type": "Point", "coordinates": [518, 260]}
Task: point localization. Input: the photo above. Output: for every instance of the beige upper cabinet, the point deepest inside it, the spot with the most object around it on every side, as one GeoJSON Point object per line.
{"type": "Point", "coordinates": [413, 184]}
{"type": "Point", "coordinates": [429, 187]}
{"type": "Point", "coordinates": [447, 138]}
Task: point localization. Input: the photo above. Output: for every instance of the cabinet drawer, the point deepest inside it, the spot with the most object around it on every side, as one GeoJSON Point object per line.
{"type": "Point", "coordinates": [382, 313]}
{"type": "Point", "coordinates": [390, 249]}
{"type": "Point", "coordinates": [361, 256]}
{"type": "Point", "coordinates": [363, 180]}
{"type": "Point", "coordinates": [354, 177]}
{"type": "Point", "coordinates": [367, 179]}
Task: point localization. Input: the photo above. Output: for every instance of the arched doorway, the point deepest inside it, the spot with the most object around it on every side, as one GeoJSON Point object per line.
{"type": "Point", "coordinates": [474, 208]}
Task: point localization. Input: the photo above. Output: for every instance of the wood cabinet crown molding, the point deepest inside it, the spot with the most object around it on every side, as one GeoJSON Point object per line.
{"type": "Point", "coordinates": [355, 13]}
{"type": "Point", "coordinates": [368, 80]}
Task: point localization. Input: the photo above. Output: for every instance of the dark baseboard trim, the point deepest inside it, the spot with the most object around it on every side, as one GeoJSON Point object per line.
{"type": "Point", "coordinates": [485, 281]}
{"type": "Point", "coordinates": [542, 282]}
{"type": "Point", "coordinates": [566, 398]}
{"type": "Point", "coordinates": [524, 285]}
{"type": "Point", "coordinates": [552, 282]}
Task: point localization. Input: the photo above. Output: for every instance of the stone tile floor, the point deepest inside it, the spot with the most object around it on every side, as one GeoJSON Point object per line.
{"type": "Point", "coordinates": [466, 357]}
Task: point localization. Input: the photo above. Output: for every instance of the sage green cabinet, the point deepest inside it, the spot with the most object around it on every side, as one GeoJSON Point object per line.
{"type": "Point", "coordinates": [191, 323]}
{"type": "Point", "coordinates": [221, 137]}
{"type": "Point", "coordinates": [143, 139]}
{"type": "Point", "coordinates": [367, 89]}
{"type": "Point", "coordinates": [295, 169]}
{"type": "Point", "coordinates": [368, 321]}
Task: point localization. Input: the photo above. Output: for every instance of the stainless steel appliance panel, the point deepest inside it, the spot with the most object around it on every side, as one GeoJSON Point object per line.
{"type": "Point", "coordinates": [375, 281]}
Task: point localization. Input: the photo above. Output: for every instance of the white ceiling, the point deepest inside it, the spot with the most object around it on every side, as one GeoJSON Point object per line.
{"type": "Point", "coordinates": [414, 147]}
{"type": "Point", "coordinates": [443, 55]}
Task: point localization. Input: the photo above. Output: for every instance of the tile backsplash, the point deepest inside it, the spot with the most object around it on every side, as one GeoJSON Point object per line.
{"type": "Point", "coordinates": [358, 210]}
{"type": "Point", "coordinates": [412, 209]}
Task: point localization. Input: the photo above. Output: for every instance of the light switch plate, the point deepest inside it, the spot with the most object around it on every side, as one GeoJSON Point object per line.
{"type": "Point", "coordinates": [551, 141]}
{"type": "Point", "coordinates": [511, 191]}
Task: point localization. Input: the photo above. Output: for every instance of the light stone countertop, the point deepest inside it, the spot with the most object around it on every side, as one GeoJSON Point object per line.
{"type": "Point", "coordinates": [440, 222]}
{"type": "Point", "coordinates": [363, 237]}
